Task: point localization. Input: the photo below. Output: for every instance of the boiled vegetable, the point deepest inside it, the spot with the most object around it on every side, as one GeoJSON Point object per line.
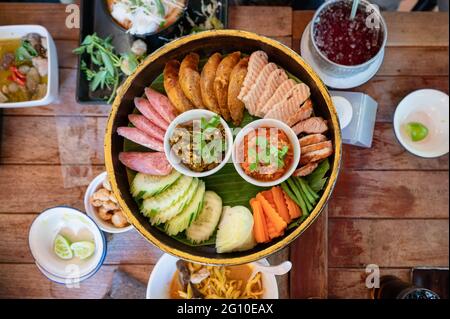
{"type": "Point", "coordinates": [272, 217]}
{"type": "Point", "coordinates": [145, 186]}
{"type": "Point", "coordinates": [235, 231]}
{"type": "Point", "coordinates": [280, 204]}
{"type": "Point", "coordinates": [260, 226]}
{"type": "Point", "coordinates": [182, 221]}
{"type": "Point", "coordinates": [205, 225]}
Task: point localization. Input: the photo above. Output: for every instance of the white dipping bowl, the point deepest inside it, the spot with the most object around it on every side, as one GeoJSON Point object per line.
{"type": "Point", "coordinates": [269, 123]}
{"type": "Point", "coordinates": [18, 31]}
{"type": "Point", "coordinates": [95, 185]}
{"type": "Point", "coordinates": [158, 286]}
{"type": "Point", "coordinates": [187, 117]}
{"type": "Point", "coordinates": [61, 219]}
{"type": "Point", "coordinates": [431, 108]}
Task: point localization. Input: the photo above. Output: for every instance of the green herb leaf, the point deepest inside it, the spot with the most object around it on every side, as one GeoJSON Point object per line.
{"type": "Point", "coordinates": [108, 63]}
{"type": "Point", "coordinates": [316, 179]}
{"type": "Point", "coordinates": [253, 167]}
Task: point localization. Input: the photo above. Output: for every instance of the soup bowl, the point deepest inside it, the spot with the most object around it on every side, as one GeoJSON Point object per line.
{"type": "Point", "coordinates": [205, 43]}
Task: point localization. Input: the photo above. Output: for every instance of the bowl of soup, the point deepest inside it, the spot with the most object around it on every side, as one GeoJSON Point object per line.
{"type": "Point", "coordinates": [342, 45]}
{"type": "Point", "coordinates": [28, 66]}
{"type": "Point", "coordinates": [147, 17]}
{"type": "Point", "coordinates": [169, 277]}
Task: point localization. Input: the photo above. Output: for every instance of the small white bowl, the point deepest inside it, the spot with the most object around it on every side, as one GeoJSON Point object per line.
{"type": "Point", "coordinates": [63, 219]}
{"type": "Point", "coordinates": [184, 118]}
{"type": "Point", "coordinates": [18, 31]}
{"type": "Point", "coordinates": [158, 286]}
{"type": "Point", "coordinates": [431, 108]}
{"type": "Point", "coordinates": [266, 123]}
{"type": "Point", "coordinates": [95, 185]}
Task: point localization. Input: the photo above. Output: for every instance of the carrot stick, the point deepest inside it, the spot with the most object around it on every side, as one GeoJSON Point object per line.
{"type": "Point", "coordinates": [260, 226]}
{"type": "Point", "coordinates": [271, 215]}
{"type": "Point", "coordinates": [293, 208]}
{"type": "Point", "coordinates": [280, 204]}
{"type": "Point", "coordinates": [269, 197]}
{"type": "Point", "coordinates": [273, 233]}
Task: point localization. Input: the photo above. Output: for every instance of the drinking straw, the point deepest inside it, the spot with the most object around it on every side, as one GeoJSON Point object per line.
{"type": "Point", "coordinates": [354, 8]}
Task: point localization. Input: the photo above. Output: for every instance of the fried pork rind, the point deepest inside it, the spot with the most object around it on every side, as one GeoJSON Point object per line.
{"type": "Point", "coordinates": [237, 76]}
{"type": "Point", "coordinates": [173, 88]}
{"type": "Point", "coordinates": [189, 79]}
{"type": "Point", "coordinates": [222, 81]}
{"type": "Point", "coordinates": [207, 78]}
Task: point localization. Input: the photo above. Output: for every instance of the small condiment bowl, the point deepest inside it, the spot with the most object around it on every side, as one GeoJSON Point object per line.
{"type": "Point", "coordinates": [430, 108]}
{"type": "Point", "coordinates": [158, 286]}
{"type": "Point", "coordinates": [95, 185]}
{"type": "Point", "coordinates": [266, 123]}
{"type": "Point", "coordinates": [185, 118]}
{"type": "Point", "coordinates": [64, 220]}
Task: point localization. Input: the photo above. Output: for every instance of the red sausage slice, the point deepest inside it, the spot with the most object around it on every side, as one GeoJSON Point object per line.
{"type": "Point", "coordinates": [161, 104]}
{"type": "Point", "coordinates": [139, 137]}
{"type": "Point", "coordinates": [142, 123]}
{"type": "Point", "coordinates": [144, 106]}
{"type": "Point", "coordinates": [152, 163]}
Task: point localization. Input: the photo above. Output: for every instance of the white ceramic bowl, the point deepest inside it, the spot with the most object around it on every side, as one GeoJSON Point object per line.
{"type": "Point", "coordinates": [190, 116]}
{"type": "Point", "coordinates": [159, 282]}
{"type": "Point", "coordinates": [63, 219]}
{"type": "Point", "coordinates": [18, 31]}
{"type": "Point", "coordinates": [431, 108]}
{"type": "Point", "coordinates": [266, 123]}
{"type": "Point", "coordinates": [95, 185]}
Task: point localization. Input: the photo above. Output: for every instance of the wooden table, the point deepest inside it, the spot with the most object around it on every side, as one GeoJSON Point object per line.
{"type": "Point", "coordinates": [389, 208]}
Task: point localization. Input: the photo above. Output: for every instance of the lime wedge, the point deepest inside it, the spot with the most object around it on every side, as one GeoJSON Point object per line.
{"type": "Point", "coordinates": [417, 131]}
{"type": "Point", "coordinates": [83, 249]}
{"type": "Point", "coordinates": [62, 248]}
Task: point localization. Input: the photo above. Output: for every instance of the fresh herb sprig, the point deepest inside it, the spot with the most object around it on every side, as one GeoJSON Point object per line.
{"type": "Point", "coordinates": [25, 52]}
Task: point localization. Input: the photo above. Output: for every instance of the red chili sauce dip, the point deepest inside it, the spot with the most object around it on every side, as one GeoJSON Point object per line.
{"type": "Point", "coordinates": [268, 154]}
{"type": "Point", "coordinates": [344, 41]}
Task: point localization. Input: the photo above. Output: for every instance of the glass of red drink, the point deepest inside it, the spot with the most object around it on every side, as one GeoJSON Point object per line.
{"type": "Point", "coordinates": [343, 45]}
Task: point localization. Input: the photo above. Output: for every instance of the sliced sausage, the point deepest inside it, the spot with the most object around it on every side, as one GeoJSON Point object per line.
{"type": "Point", "coordinates": [139, 137]}
{"type": "Point", "coordinates": [144, 106]}
{"type": "Point", "coordinates": [152, 163]}
{"type": "Point", "coordinates": [142, 123]}
{"type": "Point", "coordinates": [161, 104]}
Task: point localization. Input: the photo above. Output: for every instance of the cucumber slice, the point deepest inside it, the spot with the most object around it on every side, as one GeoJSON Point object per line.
{"type": "Point", "coordinates": [204, 226]}
{"type": "Point", "coordinates": [182, 221]}
{"type": "Point", "coordinates": [145, 186]}
{"type": "Point", "coordinates": [153, 205]}
{"type": "Point", "coordinates": [235, 230]}
{"type": "Point", "coordinates": [165, 215]}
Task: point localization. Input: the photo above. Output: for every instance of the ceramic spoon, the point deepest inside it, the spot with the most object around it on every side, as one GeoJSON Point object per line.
{"type": "Point", "coordinates": [278, 270]}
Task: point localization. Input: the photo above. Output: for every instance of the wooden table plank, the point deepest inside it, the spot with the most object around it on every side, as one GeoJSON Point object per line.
{"type": "Point", "coordinates": [309, 255]}
{"type": "Point", "coordinates": [388, 243]}
{"type": "Point", "coordinates": [50, 15]}
{"type": "Point", "coordinates": [125, 248]}
{"type": "Point", "coordinates": [387, 194]}
{"type": "Point", "coordinates": [351, 283]}
{"type": "Point", "coordinates": [25, 281]}
{"type": "Point", "coordinates": [424, 29]}
{"type": "Point", "coordinates": [255, 19]}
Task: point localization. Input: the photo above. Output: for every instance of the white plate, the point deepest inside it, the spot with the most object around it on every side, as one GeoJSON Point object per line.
{"type": "Point", "coordinates": [431, 108]}
{"type": "Point", "coordinates": [347, 82]}
{"type": "Point", "coordinates": [159, 282]}
{"type": "Point", "coordinates": [63, 219]}
{"type": "Point", "coordinates": [18, 31]}
{"type": "Point", "coordinates": [91, 210]}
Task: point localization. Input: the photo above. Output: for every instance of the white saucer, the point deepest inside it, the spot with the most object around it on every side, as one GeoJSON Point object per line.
{"type": "Point", "coordinates": [330, 80]}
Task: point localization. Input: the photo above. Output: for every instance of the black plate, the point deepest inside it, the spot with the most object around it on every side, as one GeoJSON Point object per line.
{"type": "Point", "coordinates": [95, 18]}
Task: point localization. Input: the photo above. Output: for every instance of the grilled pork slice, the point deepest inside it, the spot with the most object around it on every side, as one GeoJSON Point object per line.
{"type": "Point", "coordinates": [139, 137]}
{"type": "Point", "coordinates": [144, 106]}
{"type": "Point", "coordinates": [312, 139]}
{"type": "Point", "coordinates": [316, 147]}
{"type": "Point", "coordinates": [152, 163]}
{"type": "Point", "coordinates": [161, 104]}
{"type": "Point", "coordinates": [142, 123]}
{"type": "Point", "coordinates": [306, 170]}
{"type": "Point", "coordinates": [301, 114]}
{"type": "Point", "coordinates": [275, 79]}
{"type": "Point", "coordinates": [316, 155]}
{"type": "Point", "coordinates": [237, 76]}
{"type": "Point", "coordinates": [288, 108]}
{"type": "Point", "coordinates": [278, 96]}
{"type": "Point", "coordinates": [258, 60]}
{"type": "Point", "coordinates": [252, 97]}
{"type": "Point", "coordinates": [313, 125]}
